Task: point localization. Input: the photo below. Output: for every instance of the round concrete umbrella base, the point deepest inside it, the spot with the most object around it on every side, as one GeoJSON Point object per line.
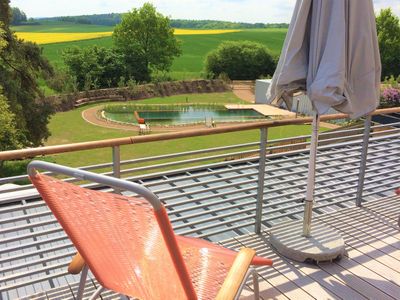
{"type": "Point", "coordinates": [324, 244]}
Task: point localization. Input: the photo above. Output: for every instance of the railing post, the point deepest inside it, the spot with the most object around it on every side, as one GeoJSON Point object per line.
{"type": "Point", "coordinates": [363, 161]}
{"type": "Point", "coordinates": [116, 161]}
{"type": "Point", "coordinates": [261, 178]}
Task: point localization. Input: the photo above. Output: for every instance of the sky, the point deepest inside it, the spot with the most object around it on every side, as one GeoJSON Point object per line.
{"type": "Point", "coordinates": [252, 11]}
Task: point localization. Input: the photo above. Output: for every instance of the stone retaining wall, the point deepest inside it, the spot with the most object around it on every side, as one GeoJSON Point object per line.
{"type": "Point", "coordinates": [69, 101]}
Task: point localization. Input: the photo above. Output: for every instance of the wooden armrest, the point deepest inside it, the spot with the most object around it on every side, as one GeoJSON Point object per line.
{"type": "Point", "coordinates": [76, 265]}
{"type": "Point", "coordinates": [236, 274]}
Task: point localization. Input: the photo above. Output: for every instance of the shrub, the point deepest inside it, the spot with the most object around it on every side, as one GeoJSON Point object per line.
{"type": "Point", "coordinates": [159, 77]}
{"type": "Point", "coordinates": [94, 67]}
{"type": "Point", "coordinates": [390, 97]}
{"type": "Point", "coordinates": [392, 81]}
{"type": "Point", "coordinates": [242, 60]}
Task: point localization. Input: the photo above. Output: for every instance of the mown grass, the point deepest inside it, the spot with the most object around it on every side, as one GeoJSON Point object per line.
{"type": "Point", "coordinates": [69, 127]}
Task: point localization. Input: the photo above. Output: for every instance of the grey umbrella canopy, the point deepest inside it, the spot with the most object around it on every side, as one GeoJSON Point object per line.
{"type": "Point", "coordinates": [331, 53]}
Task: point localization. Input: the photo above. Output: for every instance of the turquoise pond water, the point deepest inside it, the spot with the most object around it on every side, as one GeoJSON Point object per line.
{"type": "Point", "coordinates": [190, 115]}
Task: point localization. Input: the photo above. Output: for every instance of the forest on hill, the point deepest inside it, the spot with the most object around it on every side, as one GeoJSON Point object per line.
{"type": "Point", "coordinates": [113, 19]}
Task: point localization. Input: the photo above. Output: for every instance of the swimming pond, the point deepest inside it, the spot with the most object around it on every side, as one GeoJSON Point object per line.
{"type": "Point", "coordinates": [187, 115]}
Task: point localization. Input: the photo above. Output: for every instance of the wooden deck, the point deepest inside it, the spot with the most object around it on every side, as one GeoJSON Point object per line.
{"type": "Point", "coordinates": [264, 109]}
{"type": "Point", "coordinates": [370, 269]}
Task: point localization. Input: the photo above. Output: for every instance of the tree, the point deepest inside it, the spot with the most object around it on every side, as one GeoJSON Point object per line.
{"type": "Point", "coordinates": [242, 60]}
{"type": "Point", "coordinates": [9, 138]}
{"type": "Point", "coordinates": [147, 42]}
{"type": "Point", "coordinates": [103, 67]}
{"type": "Point", "coordinates": [18, 16]}
{"type": "Point", "coordinates": [21, 63]}
{"type": "Point", "coordinates": [388, 27]}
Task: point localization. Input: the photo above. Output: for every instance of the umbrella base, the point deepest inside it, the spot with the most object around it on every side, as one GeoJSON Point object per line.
{"type": "Point", "coordinates": [324, 244]}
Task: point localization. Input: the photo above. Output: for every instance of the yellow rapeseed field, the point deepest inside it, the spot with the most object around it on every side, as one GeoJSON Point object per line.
{"type": "Point", "coordinates": [51, 38]}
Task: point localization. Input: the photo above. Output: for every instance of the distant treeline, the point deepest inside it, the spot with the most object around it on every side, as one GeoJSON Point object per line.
{"type": "Point", "coordinates": [102, 19]}
{"type": "Point", "coordinates": [212, 24]}
{"type": "Point", "coordinates": [114, 19]}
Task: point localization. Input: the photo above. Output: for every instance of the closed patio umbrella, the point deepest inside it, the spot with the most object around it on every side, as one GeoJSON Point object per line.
{"type": "Point", "coordinates": [331, 53]}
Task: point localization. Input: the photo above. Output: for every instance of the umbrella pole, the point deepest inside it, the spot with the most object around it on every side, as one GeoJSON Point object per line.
{"type": "Point", "coordinates": [309, 200]}
{"type": "Point", "coordinates": [297, 243]}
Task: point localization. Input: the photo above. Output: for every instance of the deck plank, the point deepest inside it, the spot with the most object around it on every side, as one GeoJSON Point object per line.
{"type": "Point", "coordinates": [309, 278]}
{"type": "Point", "coordinates": [389, 208]}
{"type": "Point", "coordinates": [361, 224]}
{"type": "Point", "coordinates": [267, 290]}
{"type": "Point", "coordinates": [370, 270]}
{"type": "Point", "coordinates": [375, 264]}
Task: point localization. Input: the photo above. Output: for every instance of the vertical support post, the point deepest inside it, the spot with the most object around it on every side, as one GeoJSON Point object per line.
{"type": "Point", "coordinates": [261, 178]}
{"type": "Point", "coordinates": [309, 201]}
{"type": "Point", "coordinates": [297, 107]}
{"type": "Point", "coordinates": [116, 161]}
{"type": "Point", "coordinates": [363, 161]}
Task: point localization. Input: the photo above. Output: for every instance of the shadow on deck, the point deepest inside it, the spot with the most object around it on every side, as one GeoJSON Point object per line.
{"type": "Point", "coordinates": [369, 270]}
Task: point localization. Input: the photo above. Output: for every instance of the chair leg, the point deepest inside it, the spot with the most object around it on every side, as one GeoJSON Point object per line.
{"type": "Point", "coordinates": [96, 293]}
{"type": "Point", "coordinates": [82, 282]}
{"type": "Point", "coordinates": [249, 272]}
{"type": "Point", "coordinates": [256, 286]}
{"type": "Point", "coordinates": [252, 271]}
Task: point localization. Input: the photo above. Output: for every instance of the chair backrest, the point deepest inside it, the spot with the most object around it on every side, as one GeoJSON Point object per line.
{"type": "Point", "coordinates": [119, 237]}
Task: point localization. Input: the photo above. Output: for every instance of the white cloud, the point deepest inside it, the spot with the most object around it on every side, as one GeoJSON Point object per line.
{"type": "Point", "coordinates": [230, 10]}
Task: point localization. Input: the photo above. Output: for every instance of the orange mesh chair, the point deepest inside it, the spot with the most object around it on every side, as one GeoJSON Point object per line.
{"type": "Point", "coordinates": [129, 245]}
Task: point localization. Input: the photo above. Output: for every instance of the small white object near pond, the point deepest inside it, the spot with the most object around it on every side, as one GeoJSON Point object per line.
{"type": "Point", "coordinates": [144, 129]}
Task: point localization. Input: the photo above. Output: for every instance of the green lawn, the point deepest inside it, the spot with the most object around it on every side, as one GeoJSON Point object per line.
{"type": "Point", "coordinates": [194, 48]}
{"type": "Point", "coordinates": [69, 127]}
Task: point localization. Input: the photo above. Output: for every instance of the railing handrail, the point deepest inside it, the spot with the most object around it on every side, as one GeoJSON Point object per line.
{"type": "Point", "coordinates": [48, 150]}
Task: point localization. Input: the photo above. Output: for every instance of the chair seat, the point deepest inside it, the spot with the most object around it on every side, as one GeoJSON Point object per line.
{"type": "Point", "coordinates": [209, 264]}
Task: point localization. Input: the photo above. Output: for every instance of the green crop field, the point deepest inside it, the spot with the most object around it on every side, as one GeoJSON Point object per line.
{"type": "Point", "coordinates": [53, 51]}
{"type": "Point", "coordinates": [55, 26]}
{"type": "Point", "coordinates": [194, 48]}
